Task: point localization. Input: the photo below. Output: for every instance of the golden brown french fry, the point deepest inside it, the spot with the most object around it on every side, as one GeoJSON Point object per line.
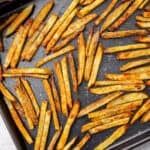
{"type": "Point", "coordinates": [61, 84]}
{"type": "Point", "coordinates": [146, 14]}
{"type": "Point", "coordinates": [106, 12]}
{"type": "Point", "coordinates": [1, 44]}
{"type": "Point", "coordinates": [87, 9]}
{"type": "Point", "coordinates": [98, 103]}
{"type": "Point", "coordinates": [40, 125]}
{"type": "Point", "coordinates": [135, 63]}
{"type": "Point", "coordinates": [66, 131]}
{"type": "Point", "coordinates": [144, 39]}
{"type": "Point", "coordinates": [81, 57]}
{"type": "Point", "coordinates": [48, 90]}
{"type": "Point", "coordinates": [139, 69]}
{"type": "Point", "coordinates": [144, 3]}
{"type": "Point", "coordinates": [48, 58]}
{"type": "Point", "coordinates": [71, 7]}
{"type": "Point", "coordinates": [142, 19]}
{"type": "Point", "coordinates": [147, 8]}
{"type": "Point", "coordinates": [76, 25]}
{"type": "Point", "coordinates": [112, 138]}
{"type": "Point", "coordinates": [147, 83]}
{"type": "Point", "coordinates": [145, 25]}
{"type": "Point", "coordinates": [96, 65]}
{"type": "Point", "coordinates": [66, 81]}
{"type": "Point", "coordinates": [45, 130]}
{"type": "Point", "coordinates": [144, 108]}
{"type": "Point", "coordinates": [19, 19]}
{"type": "Point", "coordinates": [73, 72]}
{"type": "Point", "coordinates": [129, 12]}
{"type": "Point", "coordinates": [146, 117]}
{"type": "Point", "coordinates": [86, 2]}
{"type": "Point", "coordinates": [18, 122]}
{"type": "Point", "coordinates": [114, 15]}
{"type": "Point", "coordinates": [40, 17]}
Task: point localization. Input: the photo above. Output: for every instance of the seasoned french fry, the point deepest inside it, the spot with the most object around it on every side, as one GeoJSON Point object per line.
{"type": "Point", "coordinates": [112, 138]}
{"type": "Point", "coordinates": [40, 125]}
{"type": "Point", "coordinates": [63, 51]}
{"type": "Point", "coordinates": [73, 72]}
{"type": "Point", "coordinates": [145, 25]}
{"type": "Point", "coordinates": [98, 103]}
{"type": "Point", "coordinates": [114, 15]}
{"type": "Point", "coordinates": [144, 108]}
{"type": "Point", "coordinates": [147, 8]}
{"type": "Point", "coordinates": [139, 69]}
{"type": "Point", "coordinates": [146, 117]}
{"type": "Point", "coordinates": [86, 2]}
{"type": "Point", "coordinates": [146, 14]}
{"type": "Point", "coordinates": [1, 44]}
{"type": "Point", "coordinates": [72, 116]}
{"type": "Point", "coordinates": [48, 90]}
{"type": "Point", "coordinates": [40, 17]}
{"type": "Point", "coordinates": [134, 6]}
{"type": "Point", "coordinates": [61, 84]}
{"type": "Point", "coordinates": [142, 19]}
{"type": "Point", "coordinates": [144, 39]}
{"type": "Point", "coordinates": [81, 57]}
{"type": "Point", "coordinates": [71, 7]}
{"type": "Point", "coordinates": [45, 130]}
{"type": "Point", "coordinates": [144, 3]}
{"type": "Point", "coordinates": [19, 19]}
{"type": "Point", "coordinates": [76, 25]}
{"type": "Point", "coordinates": [96, 65]}
{"type": "Point", "coordinates": [106, 12]}
{"type": "Point", "coordinates": [87, 9]}
{"type": "Point", "coordinates": [18, 122]}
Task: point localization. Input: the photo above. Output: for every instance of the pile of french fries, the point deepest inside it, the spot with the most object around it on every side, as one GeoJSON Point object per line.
{"type": "Point", "coordinates": [124, 101]}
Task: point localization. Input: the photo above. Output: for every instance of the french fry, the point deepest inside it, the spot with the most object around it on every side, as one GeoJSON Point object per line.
{"type": "Point", "coordinates": [66, 82]}
{"type": "Point", "coordinates": [144, 39]}
{"type": "Point", "coordinates": [70, 143]}
{"type": "Point", "coordinates": [142, 19]}
{"type": "Point", "coordinates": [124, 33]}
{"type": "Point", "coordinates": [106, 12]}
{"type": "Point", "coordinates": [65, 133]}
{"type": "Point", "coordinates": [130, 97]}
{"type": "Point", "coordinates": [76, 25]}
{"type": "Point", "coordinates": [19, 19]}
{"type": "Point", "coordinates": [61, 84]}
{"type": "Point", "coordinates": [1, 44]}
{"type": "Point", "coordinates": [48, 90]}
{"type": "Point", "coordinates": [98, 103]}
{"type": "Point", "coordinates": [146, 117]}
{"type": "Point", "coordinates": [133, 54]}
{"type": "Point", "coordinates": [112, 138]}
{"type": "Point", "coordinates": [73, 72]}
{"type": "Point", "coordinates": [40, 17]}
{"type": "Point", "coordinates": [96, 65]}
{"type": "Point", "coordinates": [18, 122]}
{"type": "Point", "coordinates": [48, 58]}
{"type": "Point", "coordinates": [81, 57]}
{"type": "Point", "coordinates": [91, 55]}
{"type": "Point", "coordinates": [1, 72]}
{"type": "Point", "coordinates": [145, 25]}
{"type": "Point", "coordinates": [114, 15]}
{"type": "Point", "coordinates": [82, 142]}
{"type": "Point", "coordinates": [139, 69]}
{"type": "Point", "coordinates": [146, 14]}
{"type": "Point", "coordinates": [87, 9]}
{"type": "Point", "coordinates": [134, 6]}
{"type": "Point", "coordinates": [86, 2]}
{"type": "Point", "coordinates": [144, 3]}
{"type": "Point", "coordinates": [147, 8]}
{"type": "Point", "coordinates": [40, 125]}
{"type": "Point", "coordinates": [144, 108]}
{"type": "Point", "coordinates": [71, 7]}
{"type": "Point", "coordinates": [45, 130]}
{"type": "Point", "coordinates": [60, 31]}
{"type": "Point", "coordinates": [54, 139]}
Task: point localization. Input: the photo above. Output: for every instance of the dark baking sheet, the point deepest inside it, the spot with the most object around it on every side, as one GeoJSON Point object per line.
{"type": "Point", "coordinates": [109, 64]}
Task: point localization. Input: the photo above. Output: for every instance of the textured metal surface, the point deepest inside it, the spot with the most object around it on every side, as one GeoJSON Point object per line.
{"type": "Point", "coordinates": [109, 64]}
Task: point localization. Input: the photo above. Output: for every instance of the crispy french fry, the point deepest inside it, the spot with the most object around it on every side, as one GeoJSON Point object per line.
{"type": "Point", "coordinates": [87, 9]}
{"type": "Point", "coordinates": [45, 130]}
{"type": "Point", "coordinates": [66, 131]}
{"type": "Point", "coordinates": [112, 138]}
{"type": "Point", "coordinates": [81, 57]}
{"type": "Point", "coordinates": [1, 44]}
{"type": "Point", "coordinates": [40, 17]}
{"type": "Point", "coordinates": [40, 125]}
{"type": "Point", "coordinates": [96, 65]}
{"type": "Point", "coordinates": [106, 12]}
{"type": "Point", "coordinates": [142, 19]}
{"type": "Point", "coordinates": [61, 84]}
{"type": "Point", "coordinates": [66, 81]}
{"type": "Point", "coordinates": [63, 51]}
{"type": "Point", "coordinates": [48, 90]}
{"type": "Point", "coordinates": [134, 6]}
{"type": "Point", "coordinates": [146, 14]}
{"type": "Point", "coordinates": [144, 39]}
{"type": "Point", "coordinates": [73, 72]}
{"type": "Point", "coordinates": [19, 19]}
{"type": "Point", "coordinates": [86, 2]}
{"type": "Point", "coordinates": [76, 25]}
{"type": "Point", "coordinates": [98, 103]}
{"type": "Point", "coordinates": [147, 8]}
{"type": "Point", "coordinates": [147, 83]}
{"type": "Point", "coordinates": [114, 15]}
{"type": "Point", "coordinates": [146, 117]}
{"type": "Point", "coordinates": [144, 3]}
{"type": "Point", "coordinates": [145, 25]}
{"type": "Point", "coordinates": [135, 63]}
{"type": "Point", "coordinates": [130, 97]}
{"type": "Point", "coordinates": [144, 108]}
{"type": "Point", "coordinates": [18, 122]}
{"type": "Point", "coordinates": [139, 69]}
{"type": "Point", "coordinates": [71, 7]}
